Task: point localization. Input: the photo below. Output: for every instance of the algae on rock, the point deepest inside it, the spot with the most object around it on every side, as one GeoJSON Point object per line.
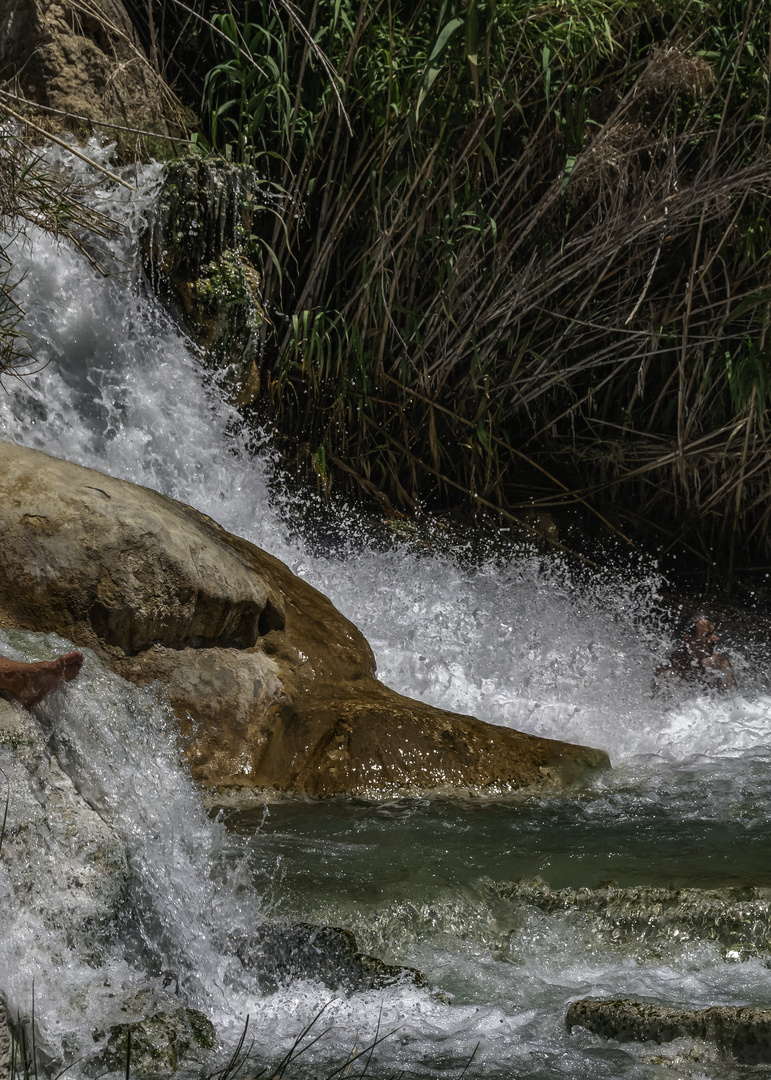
{"type": "Point", "coordinates": [742, 1031]}
{"type": "Point", "coordinates": [197, 259]}
{"type": "Point", "coordinates": [159, 1042]}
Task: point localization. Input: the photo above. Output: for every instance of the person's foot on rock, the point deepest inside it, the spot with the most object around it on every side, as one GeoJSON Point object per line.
{"type": "Point", "coordinates": [29, 683]}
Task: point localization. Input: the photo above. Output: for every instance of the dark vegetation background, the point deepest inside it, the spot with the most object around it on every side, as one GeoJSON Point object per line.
{"type": "Point", "coordinates": [512, 254]}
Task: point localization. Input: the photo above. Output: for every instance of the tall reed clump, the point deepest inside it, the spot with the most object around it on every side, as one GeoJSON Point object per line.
{"type": "Point", "coordinates": [521, 252]}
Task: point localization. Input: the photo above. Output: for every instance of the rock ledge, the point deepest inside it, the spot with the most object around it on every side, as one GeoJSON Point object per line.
{"type": "Point", "coordinates": [274, 688]}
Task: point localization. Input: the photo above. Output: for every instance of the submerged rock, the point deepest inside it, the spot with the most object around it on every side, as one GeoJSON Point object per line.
{"type": "Point", "coordinates": [743, 1031]}
{"type": "Point", "coordinates": [274, 688]}
{"type": "Point", "coordinates": [278, 955]}
{"type": "Point", "coordinates": [738, 919]}
{"type": "Point", "coordinates": [158, 1043]}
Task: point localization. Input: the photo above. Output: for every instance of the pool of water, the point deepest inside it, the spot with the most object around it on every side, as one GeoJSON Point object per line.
{"type": "Point", "coordinates": [377, 853]}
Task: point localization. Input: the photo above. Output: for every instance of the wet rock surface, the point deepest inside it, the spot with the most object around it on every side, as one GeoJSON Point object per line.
{"type": "Point", "coordinates": [273, 687]}
{"type": "Point", "coordinates": [117, 565]}
{"type": "Point", "coordinates": [69, 870]}
{"type": "Point", "coordinates": [280, 954]}
{"type": "Point", "coordinates": [58, 858]}
{"type": "Point", "coordinates": [744, 1031]}
{"type": "Point", "coordinates": [738, 919]}
{"type": "Point", "coordinates": [196, 259]}
{"type": "Point", "coordinates": [159, 1043]}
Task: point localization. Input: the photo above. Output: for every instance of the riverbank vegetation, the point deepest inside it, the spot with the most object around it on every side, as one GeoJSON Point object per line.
{"type": "Point", "coordinates": [521, 254]}
{"type": "Point", "coordinates": [511, 253]}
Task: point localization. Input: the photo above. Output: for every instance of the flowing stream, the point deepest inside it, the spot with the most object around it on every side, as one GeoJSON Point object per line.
{"type": "Point", "coordinates": [509, 636]}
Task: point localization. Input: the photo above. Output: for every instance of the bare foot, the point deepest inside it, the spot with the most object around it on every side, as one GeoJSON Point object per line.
{"type": "Point", "coordinates": [29, 683]}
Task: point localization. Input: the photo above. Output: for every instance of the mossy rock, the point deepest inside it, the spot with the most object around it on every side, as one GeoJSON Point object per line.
{"type": "Point", "coordinates": [197, 260]}
{"type": "Point", "coordinates": [206, 209]}
{"type": "Point", "coordinates": [160, 1042]}
{"type": "Point", "coordinates": [742, 1031]}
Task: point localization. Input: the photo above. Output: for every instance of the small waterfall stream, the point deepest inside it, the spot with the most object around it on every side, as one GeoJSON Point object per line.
{"type": "Point", "coordinates": [509, 637]}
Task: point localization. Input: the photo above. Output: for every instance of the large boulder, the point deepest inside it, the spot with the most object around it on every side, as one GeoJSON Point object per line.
{"type": "Point", "coordinates": [274, 688]}
{"type": "Point", "coordinates": [95, 562]}
{"type": "Point", "coordinates": [85, 63]}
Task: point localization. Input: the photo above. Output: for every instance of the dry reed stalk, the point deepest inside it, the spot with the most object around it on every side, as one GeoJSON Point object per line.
{"type": "Point", "coordinates": [481, 284]}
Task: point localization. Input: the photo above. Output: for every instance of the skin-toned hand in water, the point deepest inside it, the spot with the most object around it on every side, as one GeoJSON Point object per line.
{"type": "Point", "coordinates": [29, 683]}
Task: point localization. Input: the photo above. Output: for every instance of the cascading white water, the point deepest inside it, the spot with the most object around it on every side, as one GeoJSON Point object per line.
{"type": "Point", "coordinates": [119, 747]}
{"type": "Point", "coordinates": [509, 638]}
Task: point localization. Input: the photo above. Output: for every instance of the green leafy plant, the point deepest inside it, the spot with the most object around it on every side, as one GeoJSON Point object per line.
{"type": "Point", "coordinates": [526, 260]}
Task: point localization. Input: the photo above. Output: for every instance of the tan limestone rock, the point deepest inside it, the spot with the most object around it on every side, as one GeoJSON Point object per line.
{"type": "Point", "coordinates": [106, 563]}
{"type": "Point", "coordinates": [83, 58]}
{"type": "Point", "coordinates": [274, 688]}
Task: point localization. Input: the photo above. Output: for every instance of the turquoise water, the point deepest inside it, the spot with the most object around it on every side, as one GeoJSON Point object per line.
{"type": "Point", "coordinates": [385, 852]}
{"type": "Point", "coordinates": [433, 884]}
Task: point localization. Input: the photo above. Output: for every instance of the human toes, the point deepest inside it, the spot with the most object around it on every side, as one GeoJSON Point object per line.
{"type": "Point", "coordinates": [72, 663]}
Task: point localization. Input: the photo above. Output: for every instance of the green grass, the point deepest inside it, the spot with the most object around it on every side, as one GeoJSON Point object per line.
{"type": "Point", "coordinates": [520, 254]}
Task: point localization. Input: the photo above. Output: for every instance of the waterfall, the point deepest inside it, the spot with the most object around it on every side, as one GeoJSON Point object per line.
{"type": "Point", "coordinates": [510, 636]}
